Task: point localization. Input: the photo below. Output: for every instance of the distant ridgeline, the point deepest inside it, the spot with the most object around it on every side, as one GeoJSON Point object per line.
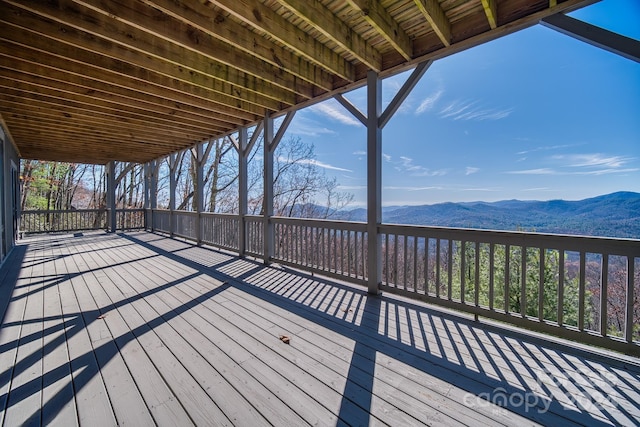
{"type": "Point", "coordinates": [611, 215]}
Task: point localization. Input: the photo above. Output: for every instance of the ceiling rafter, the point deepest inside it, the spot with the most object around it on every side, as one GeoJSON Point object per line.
{"type": "Point", "coordinates": [385, 25]}
{"type": "Point", "coordinates": [325, 22]}
{"type": "Point", "coordinates": [265, 20]}
{"type": "Point", "coordinates": [206, 19]}
{"type": "Point", "coordinates": [72, 110]}
{"type": "Point", "coordinates": [134, 80]}
{"type": "Point", "coordinates": [81, 27]}
{"type": "Point", "coordinates": [433, 13]}
{"type": "Point", "coordinates": [155, 22]}
{"type": "Point", "coordinates": [491, 10]}
{"type": "Point", "coordinates": [118, 74]}
{"type": "Point", "coordinates": [65, 91]}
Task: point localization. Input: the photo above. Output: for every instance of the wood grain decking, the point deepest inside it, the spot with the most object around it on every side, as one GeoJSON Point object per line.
{"type": "Point", "coordinates": [138, 329]}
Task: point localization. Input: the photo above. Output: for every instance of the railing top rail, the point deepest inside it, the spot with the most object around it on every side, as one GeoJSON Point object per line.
{"type": "Point", "coordinates": [60, 211]}
{"type": "Point", "coordinates": [190, 213]}
{"type": "Point", "coordinates": [612, 245]}
{"type": "Point", "coordinates": [325, 223]}
{"type": "Point", "coordinates": [221, 215]}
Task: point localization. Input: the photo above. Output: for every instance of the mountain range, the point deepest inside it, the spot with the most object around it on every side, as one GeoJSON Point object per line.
{"type": "Point", "coordinates": [611, 215]}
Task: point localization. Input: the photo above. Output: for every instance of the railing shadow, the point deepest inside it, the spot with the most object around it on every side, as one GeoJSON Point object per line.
{"type": "Point", "coordinates": [86, 366]}
{"type": "Point", "coordinates": [481, 368]}
{"type": "Point", "coordinates": [485, 369]}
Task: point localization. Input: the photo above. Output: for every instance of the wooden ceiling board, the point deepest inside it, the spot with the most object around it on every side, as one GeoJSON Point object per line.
{"type": "Point", "coordinates": [134, 80]}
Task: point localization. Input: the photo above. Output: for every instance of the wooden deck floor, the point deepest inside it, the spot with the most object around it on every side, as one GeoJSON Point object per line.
{"type": "Point", "coordinates": [137, 329]}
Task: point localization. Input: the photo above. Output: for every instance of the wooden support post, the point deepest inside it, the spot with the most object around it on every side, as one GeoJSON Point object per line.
{"type": "Point", "coordinates": [147, 191]}
{"type": "Point", "coordinates": [153, 193]}
{"type": "Point", "coordinates": [199, 190]}
{"type": "Point", "coordinates": [243, 156]}
{"type": "Point", "coordinates": [267, 202]}
{"type": "Point", "coordinates": [172, 192]}
{"type": "Point", "coordinates": [111, 196]}
{"type": "Point", "coordinates": [374, 182]}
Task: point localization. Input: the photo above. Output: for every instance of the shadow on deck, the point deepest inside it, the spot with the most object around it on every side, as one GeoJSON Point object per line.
{"type": "Point", "coordinates": [142, 329]}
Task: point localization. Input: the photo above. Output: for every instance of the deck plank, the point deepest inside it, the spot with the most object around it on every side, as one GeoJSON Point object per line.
{"type": "Point", "coordinates": [58, 404]}
{"type": "Point", "coordinates": [91, 397]}
{"type": "Point", "coordinates": [229, 357]}
{"type": "Point", "coordinates": [140, 329]}
{"type": "Point", "coordinates": [146, 325]}
{"type": "Point", "coordinates": [14, 294]}
{"type": "Point", "coordinates": [23, 405]}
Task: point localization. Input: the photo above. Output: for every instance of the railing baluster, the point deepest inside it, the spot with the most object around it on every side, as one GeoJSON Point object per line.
{"type": "Point", "coordinates": [541, 286]}
{"type": "Point", "coordinates": [426, 265]}
{"type": "Point", "coordinates": [450, 271]}
{"type": "Point", "coordinates": [628, 327]}
{"type": "Point", "coordinates": [463, 270]}
{"type": "Point", "coordinates": [477, 278]}
{"type": "Point", "coordinates": [604, 285]}
{"type": "Point", "coordinates": [437, 268]}
{"type": "Point", "coordinates": [581, 290]}
{"type": "Point", "coordinates": [561, 287]}
{"type": "Point", "coordinates": [507, 277]}
{"type": "Point", "coordinates": [523, 281]}
{"type": "Point", "coordinates": [492, 275]}
{"type": "Point", "coordinates": [404, 267]}
{"type": "Point", "coordinates": [415, 264]}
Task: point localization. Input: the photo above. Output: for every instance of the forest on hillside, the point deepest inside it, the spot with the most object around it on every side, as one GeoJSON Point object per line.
{"type": "Point", "coordinates": [300, 186]}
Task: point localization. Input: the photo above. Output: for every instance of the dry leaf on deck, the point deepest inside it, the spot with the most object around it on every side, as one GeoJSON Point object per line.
{"type": "Point", "coordinates": [285, 339]}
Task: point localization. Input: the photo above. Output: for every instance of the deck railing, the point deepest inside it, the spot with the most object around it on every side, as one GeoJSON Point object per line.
{"type": "Point", "coordinates": [334, 248]}
{"type": "Point", "coordinates": [130, 219]}
{"type": "Point", "coordinates": [221, 230]}
{"type": "Point", "coordinates": [582, 288]}
{"type": "Point", "coordinates": [53, 221]}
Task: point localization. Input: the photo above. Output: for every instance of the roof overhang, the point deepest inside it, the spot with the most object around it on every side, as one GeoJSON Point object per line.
{"type": "Point", "coordinates": [132, 80]}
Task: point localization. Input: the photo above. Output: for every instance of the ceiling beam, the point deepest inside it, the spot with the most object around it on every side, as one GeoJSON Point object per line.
{"type": "Point", "coordinates": [265, 20]}
{"type": "Point", "coordinates": [385, 25]}
{"type": "Point", "coordinates": [325, 22]}
{"type": "Point", "coordinates": [281, 71]}
{"type": "Point", "coordinates": [33, 117]}
{"type": "Point", "coordinates": [433, 13]}
{"type": "Point", "coordinates": [218, 25]}
{"type": "Point", "coordinates": [120, 77]}
{"type": "Point", "coordinates": [24, 102]}
{"type": "Point", "coordinates": [595, 36]}
{"type": "Point", "coordinates": [66, 91]}
{"type": "Point", "coordinates": [84, 28]}
{"type": "Point", "coordinates": [491, 10]}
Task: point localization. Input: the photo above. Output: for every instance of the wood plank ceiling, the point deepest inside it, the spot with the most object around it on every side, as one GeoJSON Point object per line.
{"type": "Point", "coordinates": [132, 80]}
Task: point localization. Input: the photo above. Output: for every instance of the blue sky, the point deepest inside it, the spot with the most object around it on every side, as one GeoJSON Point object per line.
{"type": "Point", "coordinates": [534, 115]}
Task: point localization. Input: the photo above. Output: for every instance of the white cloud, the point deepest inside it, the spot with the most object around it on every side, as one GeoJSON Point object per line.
{"type": "Point", "coordinates": [386, 157]}
{"type": "Point", "coordinates": [594, 160]}
{"type": "Point", "coordinates": [539, 171]}
{"type": "Point", "coordinates": [352, 187]}
{"type": "Point", "coordinates": [305, 126]}
{"type": "Point", "coordinates": [408, 188]}
{"type": "Point", "coordinates": [335, 111]}
{"type": "Point", "coordinates": [317, 163]}
{"type": "Point", "coordinates": [429, 102]}
{"type": "Point", "coordinates": [544, 148]}
{"type": "Point", "coordinates": [471, 110]}
{"type": "Point", "coordinates": [482, 189]}
{"type": "Point", "coordinates": [471, 170]}
{"type": "Point", "coordinates": [406, 164]}
{"type": "Point", "coordinates": [359, 153]}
